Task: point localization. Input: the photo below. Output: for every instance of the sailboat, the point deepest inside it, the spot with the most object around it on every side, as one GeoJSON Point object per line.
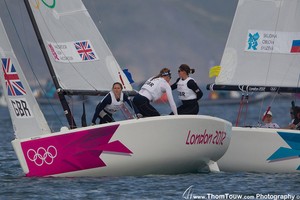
{"type": "Point", "coordinates": [262, 54]}
{"type": "Point", "coordinates": [81, 63]}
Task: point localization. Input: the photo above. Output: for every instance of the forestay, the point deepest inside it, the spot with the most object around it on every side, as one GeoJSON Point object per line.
{"type": "Point", "coordinates": [27, 118]}
{"type": "Point", "coordinates": [263, 47]}
{"type": "Point", "coordinates": [80, 58]}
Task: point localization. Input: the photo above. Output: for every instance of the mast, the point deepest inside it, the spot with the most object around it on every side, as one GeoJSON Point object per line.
{"type": "Point", "coordinates": [60, 92]}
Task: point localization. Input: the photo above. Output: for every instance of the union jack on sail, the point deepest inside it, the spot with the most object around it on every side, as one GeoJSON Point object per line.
{"type": "Point", "coordinates": [85, 50]}
{"type": "Point", "coordinates": [12, 80]}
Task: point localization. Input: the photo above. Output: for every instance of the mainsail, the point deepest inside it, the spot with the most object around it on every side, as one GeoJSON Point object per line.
{"type": "Point", "coordinates": [80, 60]}
{"type": "Point", "coordinates": [263, 48]}
{"type": "Point", "coordinates": [27, 118]}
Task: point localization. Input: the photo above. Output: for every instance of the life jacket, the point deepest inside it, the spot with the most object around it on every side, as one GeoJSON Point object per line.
{"type": "Point", "coordinates": [185, 93]}
{"type": "Point", "coordinates": [115, 105]}
{"type": "Point", "coordinates": [153, 88]}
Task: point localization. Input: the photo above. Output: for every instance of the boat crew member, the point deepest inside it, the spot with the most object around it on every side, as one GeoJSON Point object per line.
{"type": "Point", "coordinates": [267, 119]}
{"type": "Point", "coordinates": [151, 91]}
{"type": "Point", "coordinates": [295, 115]}
{"type": "Point", "coordinates": [188, 91]}
{"type": "Point", "coordinates": [110, 104]}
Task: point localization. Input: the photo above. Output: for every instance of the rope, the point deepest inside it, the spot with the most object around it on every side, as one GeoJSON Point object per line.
{"type": "Point", "coordinates": [132, 106]}
{"type": "Point", "coordinates": [240, 110]}
{"type": "Point", "coordinates": [247, 105]}
{"type": "Point", "coordinates": [295, 95]}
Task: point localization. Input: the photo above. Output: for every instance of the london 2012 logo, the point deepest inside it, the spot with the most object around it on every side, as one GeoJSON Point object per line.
{"type": "Point", "coordinates": [252, 41]}
{"type": "Point", "coordinates": [42, 156]}
{"type": "Point", "coordinates": [48, 3]}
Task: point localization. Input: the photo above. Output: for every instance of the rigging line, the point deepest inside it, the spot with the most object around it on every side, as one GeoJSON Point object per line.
{"type": "Point", "coordinates": [260, 110]}
{"type": "Point", "coordinates": [246, 112]}
{"type": "Point", "coordinates": [286, 71]}
{"type": "Point", "coordinates": [96, 13]}
{"type": "Point", "coordinates": [27, 57]}
{"type": "Point", "coordinates": [289, 66]}
{"type": "Point", "coordinates": [240, 110]}
{"type": "Point", "coordinates": [133, 109]}
{"type": "Point", "coordinates": [298, 82]}
{"type": "Point", "coordinates": [271, 54]}
{"type": "Point", "coordinates": [269, 65]}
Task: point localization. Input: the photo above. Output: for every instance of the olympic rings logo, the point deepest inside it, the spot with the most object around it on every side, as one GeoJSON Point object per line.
{"type": "Point", "coordinates": [38, 3]}
{"type": "Point", "coordinates": [42, 155]}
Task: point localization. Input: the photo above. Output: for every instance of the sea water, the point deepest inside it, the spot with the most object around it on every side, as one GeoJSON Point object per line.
{"type": "Point", "coordinates": [220, 185]}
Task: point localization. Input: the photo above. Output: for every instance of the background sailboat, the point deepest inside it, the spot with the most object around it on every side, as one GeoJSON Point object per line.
{"type": "Point", "coordinates": [80, 63]}
{"type": "Point", "coordinates": [262, 54]}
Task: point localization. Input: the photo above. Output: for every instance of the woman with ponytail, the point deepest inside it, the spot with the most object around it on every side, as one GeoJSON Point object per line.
{"type": "Point", "coordinates": [188, 91]}
{"type": "Point", "coordinates": [152, 91]}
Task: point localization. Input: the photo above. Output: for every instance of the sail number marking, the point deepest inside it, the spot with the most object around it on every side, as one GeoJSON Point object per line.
{"type": "Point", "coordinates": [21, 108]}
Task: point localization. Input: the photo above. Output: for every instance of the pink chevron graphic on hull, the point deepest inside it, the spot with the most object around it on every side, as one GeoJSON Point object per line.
{"type": "Point", "coordinates": [70, 152]}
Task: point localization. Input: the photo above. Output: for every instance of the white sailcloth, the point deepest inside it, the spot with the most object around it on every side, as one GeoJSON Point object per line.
{"type": "Point", "coordinates": [27, 118]}
{"type": "Point", "coordinates": [79, 55]}
{"type": "Point", "coordinates": [263, 47]}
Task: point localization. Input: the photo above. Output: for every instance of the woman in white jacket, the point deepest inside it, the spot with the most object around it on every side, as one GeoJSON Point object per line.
{"type": "Point", "coordinates": [151, 91]}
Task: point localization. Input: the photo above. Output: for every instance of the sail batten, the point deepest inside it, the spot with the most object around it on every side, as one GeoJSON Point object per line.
{"type": "Point", "coordinates": [263, 47]}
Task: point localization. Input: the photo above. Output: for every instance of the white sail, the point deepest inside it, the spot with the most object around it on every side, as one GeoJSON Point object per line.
{"type": "Point", "coordinates": [79, 55]}
{"type": "Point", "coordinates": [263, 47]}
{"type": "Point", "coordinates": [27, 118]}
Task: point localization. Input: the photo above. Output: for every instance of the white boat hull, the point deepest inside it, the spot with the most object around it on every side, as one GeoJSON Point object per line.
{"type": "Point", "coordinates": [156, 145]}
{"type": "Point", "coordinates": [262, 150]}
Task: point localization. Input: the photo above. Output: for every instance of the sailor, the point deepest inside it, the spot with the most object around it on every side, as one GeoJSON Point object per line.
{"type": "Point", "coordinates": [188, 91]}
{"type": "Point", "coordinates": [151, 91]}
{"type": "Point", "coordinates": [295, 115]}
{"type": "Point", "coordinates": [110, 104]}
{"type": "Point", "coordinates": [267, 119]}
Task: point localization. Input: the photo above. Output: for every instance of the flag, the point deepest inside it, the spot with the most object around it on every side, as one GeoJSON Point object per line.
{"type": "Point", "coordinates": [12, 80]}
{"type": "Point", "coordinates": [85, 50]}
{"type": "Point", "coordinates": [214, 71]}
{"type": "Point", "coordinates": [128, 75]}
{"type": "Point", "coordinates": [295, 46]}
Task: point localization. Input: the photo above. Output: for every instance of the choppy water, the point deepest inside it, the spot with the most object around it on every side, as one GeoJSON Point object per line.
{"type": "Point", "coordinates": [13, 184]}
